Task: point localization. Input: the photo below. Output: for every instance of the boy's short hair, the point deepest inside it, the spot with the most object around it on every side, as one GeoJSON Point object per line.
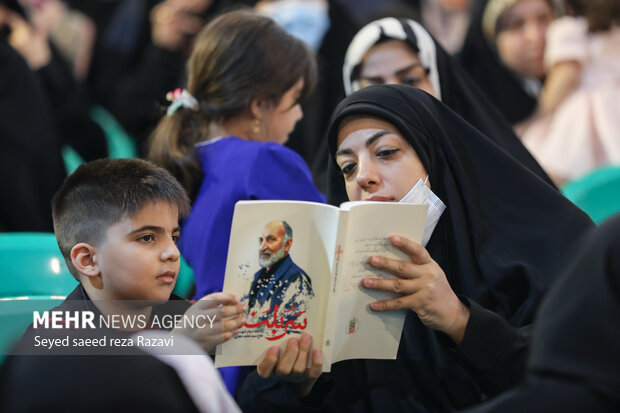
{"type": "Point", "coordinates": [101, 193]}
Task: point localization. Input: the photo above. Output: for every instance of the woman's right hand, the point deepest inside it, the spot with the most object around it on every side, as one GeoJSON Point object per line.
{"type": "Point", "coordinates": [422, 287]}
{"type": "Point", "coordinates": [293, 365]}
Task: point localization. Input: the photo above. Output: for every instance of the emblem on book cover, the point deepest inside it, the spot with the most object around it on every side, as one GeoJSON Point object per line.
{"type": "Point", "coordinates": [352, 326]}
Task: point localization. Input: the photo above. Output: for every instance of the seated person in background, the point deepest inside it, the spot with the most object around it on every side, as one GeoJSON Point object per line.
{"type": "Point", "coordinates": [279, 283]}
{"type": "Point", "coordinates": [575, 351]}
{"type": "Point", "coordinates": [470, 294]}
{"type": "Point", "coordinates": [503, 52]}
{"type": "Point", "coordinates": [575, 129]}
{"type": "Point", "coordinates": [401, 51]}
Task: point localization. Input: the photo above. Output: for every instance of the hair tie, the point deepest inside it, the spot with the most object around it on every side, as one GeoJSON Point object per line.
{"type": "Point", "coordinates": [180, 98]}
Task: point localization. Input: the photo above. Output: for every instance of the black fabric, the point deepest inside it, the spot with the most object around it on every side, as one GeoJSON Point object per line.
{"type": "Point", "coordinates": [137, 383]}
{"type": "Point", "coordinates": [484, 66]}
{"type": "Point", "coordinates": [499, 240]}
{"type": "Point", "coordinates": [70, 110]}
{"type": "Point", "coordinates": [575, 351]}
{"type": "Point", "coordinates": [31, 166]}
{"type": "Point", "coordinates": [463, 96]}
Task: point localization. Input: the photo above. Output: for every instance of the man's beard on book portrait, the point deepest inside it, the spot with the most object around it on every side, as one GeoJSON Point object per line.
{"type": "Point", "coordinates": [266, 259]}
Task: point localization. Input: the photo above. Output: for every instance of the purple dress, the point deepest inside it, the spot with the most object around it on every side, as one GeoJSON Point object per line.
{"type": "Point", "coordinates": [234, 170]}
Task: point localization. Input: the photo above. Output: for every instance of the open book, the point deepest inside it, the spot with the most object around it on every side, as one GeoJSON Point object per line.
{"type": "Point", "coordinates": [299, 265]}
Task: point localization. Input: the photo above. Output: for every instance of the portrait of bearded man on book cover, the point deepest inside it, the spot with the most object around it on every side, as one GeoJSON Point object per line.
{"type": "Point", "coordinates": [280, 291]}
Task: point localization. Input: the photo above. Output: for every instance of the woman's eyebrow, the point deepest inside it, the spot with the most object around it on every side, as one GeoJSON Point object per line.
{"type": "Point", "coordinates": [369, 142]}
{"type": "Point", "coordinates": [376, 136]}
{"type": "Point", "coordinates": [404, 70]}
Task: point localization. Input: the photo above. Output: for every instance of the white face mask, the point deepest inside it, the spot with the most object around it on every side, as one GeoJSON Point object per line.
{"type": "Point", "coordinates": [307, 20]}
{"type": "Point", "coordinates": [421, 194]}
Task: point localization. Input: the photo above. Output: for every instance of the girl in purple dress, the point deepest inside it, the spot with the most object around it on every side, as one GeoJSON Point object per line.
{"type": "Point", "coordinates": [223, 136]}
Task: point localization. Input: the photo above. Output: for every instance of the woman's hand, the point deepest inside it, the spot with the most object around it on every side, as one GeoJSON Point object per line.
{"type": "Point", "coordinates": [293, 365]}
{"type": "Point", "coordinates": [227, 315]}
{"type": "Point", "coordinates": [424, 288]}
{"type": "Point", "coordinates": [26, 40]}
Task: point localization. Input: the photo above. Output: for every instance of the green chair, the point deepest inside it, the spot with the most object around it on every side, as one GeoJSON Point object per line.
{"type": "Point", "coordinates": [33, 265]}
{"type": "Point", "coordinates": [597, 193]}
{"type": "Point", "coordinates": [16, 314]}
{"type": "Point", "coordinates": [120, 144]}
{"type": "Point", "coordinates": [185, 281]}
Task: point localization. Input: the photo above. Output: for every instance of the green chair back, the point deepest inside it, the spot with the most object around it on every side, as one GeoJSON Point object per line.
{"type": "Point", "coordinates": [120, 144]}
{"type": "Point", "coordinates": [16, 315]}
{"type": "Point", "coordinates": [33, 265]}
{"type": "Point", "coordinates": [597, 193]}
{"type": "Point", "coordinates": [185, 281]}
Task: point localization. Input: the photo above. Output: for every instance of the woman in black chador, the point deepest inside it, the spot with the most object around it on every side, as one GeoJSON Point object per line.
{"type": "Point", "coordinates": [470, 293]}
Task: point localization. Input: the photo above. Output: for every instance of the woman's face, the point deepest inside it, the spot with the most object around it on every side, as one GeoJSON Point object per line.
{"type": "Point", "coordinates": [279, 121]}
{"type": "Point", "coordinates": [377, 163]}
{"type": "Point", "coordinates": [521, 41]}
{"type": "Point", "coordinates": [394, 62]}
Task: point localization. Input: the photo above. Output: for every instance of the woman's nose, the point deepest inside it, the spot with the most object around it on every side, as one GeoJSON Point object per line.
{"type": "Point", "coordinates": [367, 174]}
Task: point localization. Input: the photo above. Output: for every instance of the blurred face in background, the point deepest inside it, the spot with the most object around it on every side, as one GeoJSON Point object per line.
{"type": "Point", "coordinates": [521, 36]}
{"type": "Point", "coordinates": [278, 121]}
{"type": "Point", "coordinates": [394, 62]}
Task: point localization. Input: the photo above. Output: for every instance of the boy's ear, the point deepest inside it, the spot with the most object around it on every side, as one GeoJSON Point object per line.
{"type": "Point", "coordinates": [84, 259]}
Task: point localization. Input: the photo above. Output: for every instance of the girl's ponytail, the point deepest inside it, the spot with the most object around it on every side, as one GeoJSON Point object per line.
{"type": "Point", "coordinates": [172, 146]}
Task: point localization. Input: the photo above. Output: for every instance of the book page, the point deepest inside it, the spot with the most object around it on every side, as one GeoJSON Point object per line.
{"type": "Point", "coordinates": [285, 284]}
{"type": "Point", "coordinates": [358, 331]}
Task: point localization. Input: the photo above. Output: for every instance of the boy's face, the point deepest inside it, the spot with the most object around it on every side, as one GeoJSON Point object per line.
{"type": "Point", "coordinates": [139, 259]}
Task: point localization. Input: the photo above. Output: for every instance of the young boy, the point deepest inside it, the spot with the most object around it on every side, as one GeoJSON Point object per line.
{"type": "Point", "coordinates": [117, 223]}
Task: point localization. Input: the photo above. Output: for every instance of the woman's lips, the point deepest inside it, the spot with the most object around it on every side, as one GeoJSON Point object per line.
{"type": "Point", "coordinates": [377, 198]}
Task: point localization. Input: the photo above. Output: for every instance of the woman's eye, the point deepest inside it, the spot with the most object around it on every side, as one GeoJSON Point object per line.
{"type": "Point", "coordinates": [387, 152]}
{"type": "Point", "coordinates": [176, 238]}
{"type": "Point", "coordinates": [347, 168]}
{"type": "Point", "coordinates": [411, 80]}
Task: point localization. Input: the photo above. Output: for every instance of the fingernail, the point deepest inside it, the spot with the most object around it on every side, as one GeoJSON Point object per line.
{"type": "Point", "coordinates": [375, 260]}
{"type": "Point", "coordinates": [368, 282]}
{"type": "Point", "coordinates": [306, 339]}
{"type": "Point", "coordinates": [396, 239]}
{"type": "Point", "coordinates": [375, 306]}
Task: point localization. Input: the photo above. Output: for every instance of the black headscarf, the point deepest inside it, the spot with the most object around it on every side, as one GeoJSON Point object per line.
{"type": "Point", "coordinates": [575, 349]}
{"type": "Point", "coordinates": [456, 89]}
{"type": "Point", "coordinates": [504, 228]}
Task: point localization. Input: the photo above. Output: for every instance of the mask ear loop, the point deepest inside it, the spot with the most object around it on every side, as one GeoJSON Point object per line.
{"type": "Point", "coordinates": [426, 179]}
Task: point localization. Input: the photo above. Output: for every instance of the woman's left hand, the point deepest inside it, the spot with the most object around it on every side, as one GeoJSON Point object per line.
{"type": "Point", "coordinates": [424, 288]}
